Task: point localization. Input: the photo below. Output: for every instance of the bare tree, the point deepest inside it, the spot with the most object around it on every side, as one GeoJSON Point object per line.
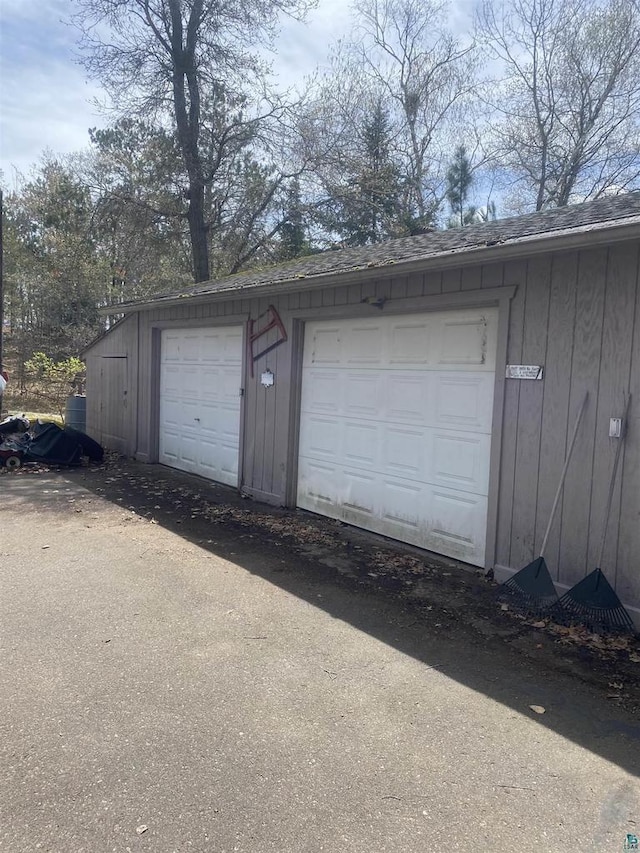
{"type": "Point", "coordinates": [182, 61]}
{"type": "Point", "coordinates": [568, 101]}
{"type": "Point", "coordinates": [426, 76]}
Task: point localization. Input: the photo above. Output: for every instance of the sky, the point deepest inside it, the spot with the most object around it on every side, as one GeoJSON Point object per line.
{"type": "Point", "coordinates": [46, 100]}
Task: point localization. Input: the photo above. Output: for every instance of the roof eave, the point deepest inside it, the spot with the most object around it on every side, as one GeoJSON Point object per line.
{"type": "Point", "coordinates": [591, 235]}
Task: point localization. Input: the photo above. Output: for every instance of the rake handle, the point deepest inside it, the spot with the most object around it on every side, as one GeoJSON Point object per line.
{"type": "Point", "coordinates": [612, 484]}
{"type": "Point", "coordinates": [564, 473]}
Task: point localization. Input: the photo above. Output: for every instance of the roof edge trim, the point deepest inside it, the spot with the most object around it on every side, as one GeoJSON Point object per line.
{"type": "Point", "coordinates": [595, 234]}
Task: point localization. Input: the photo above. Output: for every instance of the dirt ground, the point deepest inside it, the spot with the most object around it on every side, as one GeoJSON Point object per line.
{"type": "Point", "coordinates": [439, 594]}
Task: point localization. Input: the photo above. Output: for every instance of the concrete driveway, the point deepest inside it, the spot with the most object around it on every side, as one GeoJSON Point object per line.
{"type": "Point", "coordinates": [157, 696]}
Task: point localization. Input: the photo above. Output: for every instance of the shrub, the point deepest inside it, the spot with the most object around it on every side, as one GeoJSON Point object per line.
{"type": "Point", "coordinates": [54, 381]}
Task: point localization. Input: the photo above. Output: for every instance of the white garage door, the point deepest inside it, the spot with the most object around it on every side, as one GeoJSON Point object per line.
{"type": "Point", "coordinates": [395, 426]}
{"type": "Point", "coordinates": [200, 380]}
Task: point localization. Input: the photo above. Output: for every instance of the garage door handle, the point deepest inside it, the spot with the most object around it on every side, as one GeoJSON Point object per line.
{"type": "Point", "coordinates": [197, 419]}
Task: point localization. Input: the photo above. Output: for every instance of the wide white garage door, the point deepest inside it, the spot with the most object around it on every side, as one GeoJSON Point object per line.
{"type": "Point", "coordinates": [200, 380]}
{"type": "Point", "coordinates": [395, 426]}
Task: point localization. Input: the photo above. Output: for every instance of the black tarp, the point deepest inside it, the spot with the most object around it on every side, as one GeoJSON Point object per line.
{"type": "Point", "coordinates": [60, 446]}
{"type": "Point", "coordinates": [50, 443]}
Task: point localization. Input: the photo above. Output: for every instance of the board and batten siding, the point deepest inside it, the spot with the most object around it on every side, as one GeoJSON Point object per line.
{"type": "Point", "coordinates": [112, 385]}
{"type": "Point", "coordinates": [576, 313]}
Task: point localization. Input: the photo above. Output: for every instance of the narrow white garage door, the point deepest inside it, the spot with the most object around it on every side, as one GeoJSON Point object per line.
{"type": "Point", "coordinates": [395, 427]}
{"type": "Point", "coordinates": [200, 380]}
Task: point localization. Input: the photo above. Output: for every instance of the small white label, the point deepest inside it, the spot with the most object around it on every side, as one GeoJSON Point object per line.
{"type": "Point", "coordinates": [267, 379]}
{"type": "Point", "coordinates": [524, 371]}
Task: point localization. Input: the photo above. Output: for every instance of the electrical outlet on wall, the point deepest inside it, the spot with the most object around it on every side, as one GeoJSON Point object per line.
{"type": "Point", "coordinates": [615, 427]}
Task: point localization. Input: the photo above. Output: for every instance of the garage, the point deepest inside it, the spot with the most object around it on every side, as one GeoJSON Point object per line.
{"type": "Point", "coordinates": [395, 427]}
{"type": "Point", "coordinates": [200, 382]}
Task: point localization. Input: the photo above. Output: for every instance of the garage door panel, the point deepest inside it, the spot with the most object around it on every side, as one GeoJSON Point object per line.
{"type": "Point", "coordinates": [230, 388]}
{"type": "Point", "coordinates": [189, 412]}
{"type": "Point", "coordinates": [464, 401]}
{"type": "Point", "coordinates": [406, 397]}
{"type": "Point", "coordinates": [211, 414]}
{"type": "Point", "coordinates": [361, 442]}
{"type": "Point", "coordinates": [361, 394]}
{"type": "Point", "coordinates": [357, 491]}
{"type": "Point", "coordinates": [171, 444]}
{"type": "Point", "coordinates": [220, 461]}
{"type": "Point", "coordinates": [171, 380]}
{"type": "Point", "coordinates": [228, 422]}
{"type": "Point", "coordinates": [200, 377]}
{"type": "Point", "coordinates": [362, 345]}
{"type": "Point", "coordinates": [456, 521]}
{"type": "Point", "coordinates": [172, 412]}
{"type": "Point", "coordinates": [323, 437]}
{"type": "Point", "coordinates": [217, 386]}
{"type": "Point", "coordinates": [461, 461]}
{"type": "Point", "coordinates": [405, 452]}
{"type": "Point", "coordinates": [232, 349]}
{"type": "Point", "coordinates": [187, 382]}
{"type": "Point", "coordinates": [410, 343]}
{"type": "Point", "coordinates": [189, 349]}
{"type": "Point", "coordinates": [211, 347]}
{"type": "Point", "coordinates": [322, 392]}
{"type": "Point", "coordinates": [463, 342]}
{"type": "Point", "coordinates": [229, 462]}
{"type": "Point", "coordinates": [326, 486]}
{"type": "Point", "coordinates": [170, 348]}
{"type": "Point", "coordinates": [188, 449]}
{"type": "Point", "coordinates": [179, 414]}
{"type": "Point", "coordinates": [318, 483]}
{"type": "Point", "coordinates": [402, 502]}
{"type": "Point", "coordinates": [397, 440]}
{"type": "Point", "coordinates": [211, 375]}
{"type": "Point", "coordinates": [326, 347]}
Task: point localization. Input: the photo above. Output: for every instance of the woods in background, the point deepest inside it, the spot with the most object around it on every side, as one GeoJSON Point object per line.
{"type": "Point", "coordinates": [207, 169]}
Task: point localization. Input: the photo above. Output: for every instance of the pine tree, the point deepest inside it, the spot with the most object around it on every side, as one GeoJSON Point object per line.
{"type": "Point", "coordinates": [459, 181]}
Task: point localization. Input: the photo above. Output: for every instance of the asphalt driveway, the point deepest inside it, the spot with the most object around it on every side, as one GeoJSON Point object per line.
{"type": "Point", "coordinates": [166, 691]}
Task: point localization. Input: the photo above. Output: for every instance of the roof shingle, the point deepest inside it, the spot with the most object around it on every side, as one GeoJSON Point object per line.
{"type": "Point", "coordinates": [576, 218]}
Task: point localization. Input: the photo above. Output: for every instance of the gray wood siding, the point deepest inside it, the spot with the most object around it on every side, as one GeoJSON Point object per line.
{"type": "Point", "coordinates": [112, 374]}
{"type": "Point", "coordinates": [576, 312]}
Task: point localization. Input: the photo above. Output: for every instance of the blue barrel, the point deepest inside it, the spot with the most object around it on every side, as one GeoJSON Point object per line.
{"type": "Point", "coordinates": [76, 412]}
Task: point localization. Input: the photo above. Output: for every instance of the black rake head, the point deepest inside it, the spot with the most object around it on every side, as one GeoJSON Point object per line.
{"type": "Point", "coordinates": [594, 603]}
{"type": "Point", "coordinates": [531, 589]}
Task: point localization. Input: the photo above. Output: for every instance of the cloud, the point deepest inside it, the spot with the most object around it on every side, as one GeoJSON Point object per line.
{"type": "Point", "coordinates": [45, 102]}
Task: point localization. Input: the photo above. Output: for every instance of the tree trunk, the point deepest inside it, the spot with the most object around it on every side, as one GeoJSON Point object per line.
{"type": "Point", "coordinates": [186, 104]}
{"type": "Point", "coordinates": [198, 233]}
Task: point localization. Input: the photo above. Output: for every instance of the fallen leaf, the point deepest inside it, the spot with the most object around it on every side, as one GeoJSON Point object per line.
{"type": "Point", "coordinates": [635, 658]}
{"type": "Point", "coordinates": [540, 624]}
{"type": "Point", "coordinates": [538, 709]}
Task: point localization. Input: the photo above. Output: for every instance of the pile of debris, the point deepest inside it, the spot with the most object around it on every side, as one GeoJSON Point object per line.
{"type": "Point", "coordinates": [44, 442]}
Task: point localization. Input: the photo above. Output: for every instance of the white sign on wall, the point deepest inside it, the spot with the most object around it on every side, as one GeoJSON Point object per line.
{"type": "Point", "coordinates": [267, 379]}
{"type": "Point", "coordinates": [524, 371]}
